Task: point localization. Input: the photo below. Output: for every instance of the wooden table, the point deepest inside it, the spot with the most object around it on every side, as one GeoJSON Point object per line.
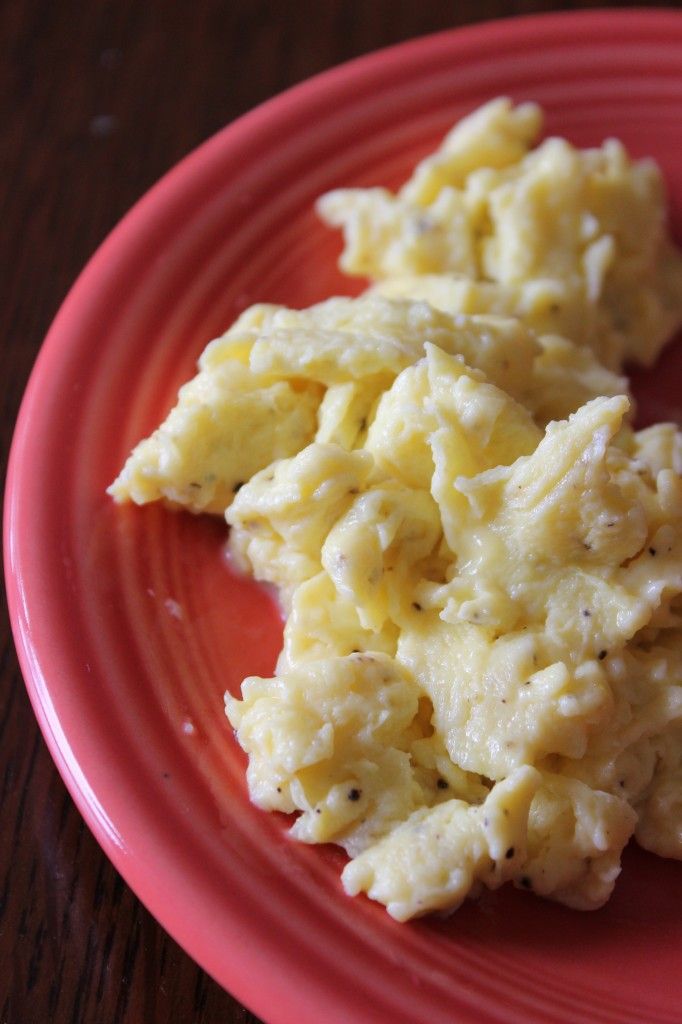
{"type": "Point", "coordinates": [98, 100]}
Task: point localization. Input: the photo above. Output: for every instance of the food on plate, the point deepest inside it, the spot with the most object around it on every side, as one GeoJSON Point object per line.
{"type": "Point", "coordinates": [478, 557]}
{"type": "Point", "coordinates": [572, 241]}
{"type": "Point", "coordinates": [281, 378]}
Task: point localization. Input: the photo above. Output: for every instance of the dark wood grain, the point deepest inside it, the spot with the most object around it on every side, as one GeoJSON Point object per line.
{"type": "Point", "coordinates": [97, 100]}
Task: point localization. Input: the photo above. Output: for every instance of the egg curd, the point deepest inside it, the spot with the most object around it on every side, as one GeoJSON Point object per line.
{"type": "Point", "coordinates": [478, 557]}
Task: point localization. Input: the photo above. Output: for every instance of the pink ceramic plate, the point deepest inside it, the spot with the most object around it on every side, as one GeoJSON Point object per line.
{"type": "Point", "coordinates": [129, 624]}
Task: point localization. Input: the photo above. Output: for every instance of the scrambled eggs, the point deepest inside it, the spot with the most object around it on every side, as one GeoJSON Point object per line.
{"type": "Point", "coordinates": [572, 241]}
{"type": "Point", "coordinates": [479, 559]}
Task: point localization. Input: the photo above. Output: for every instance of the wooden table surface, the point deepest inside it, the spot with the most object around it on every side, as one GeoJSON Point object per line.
{"type": "Point", "coordinates": [98, 99]}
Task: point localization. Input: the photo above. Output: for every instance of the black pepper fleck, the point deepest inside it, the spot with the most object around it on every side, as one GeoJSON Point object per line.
{"type": "Point", "coordinates": [442, 784]}
{"type": "Point", "coordinates": [652, 551]}
{"type": "Point", "coordinates": [526, 882]}
{"type": "Point", "coordinates": [510, 853]}
{"type": "Point", "coordinates": [602, 655]}
{"type": "Point", "coordinates": [354, 794]}
{"type": "Point", "coordinates": [587, 613]}
{"type": "Point", "coordinates": [416, 605]}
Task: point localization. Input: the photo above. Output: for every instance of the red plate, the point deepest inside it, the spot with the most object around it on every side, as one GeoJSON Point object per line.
{"type": "Point", "coordinates": [129, 625]}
